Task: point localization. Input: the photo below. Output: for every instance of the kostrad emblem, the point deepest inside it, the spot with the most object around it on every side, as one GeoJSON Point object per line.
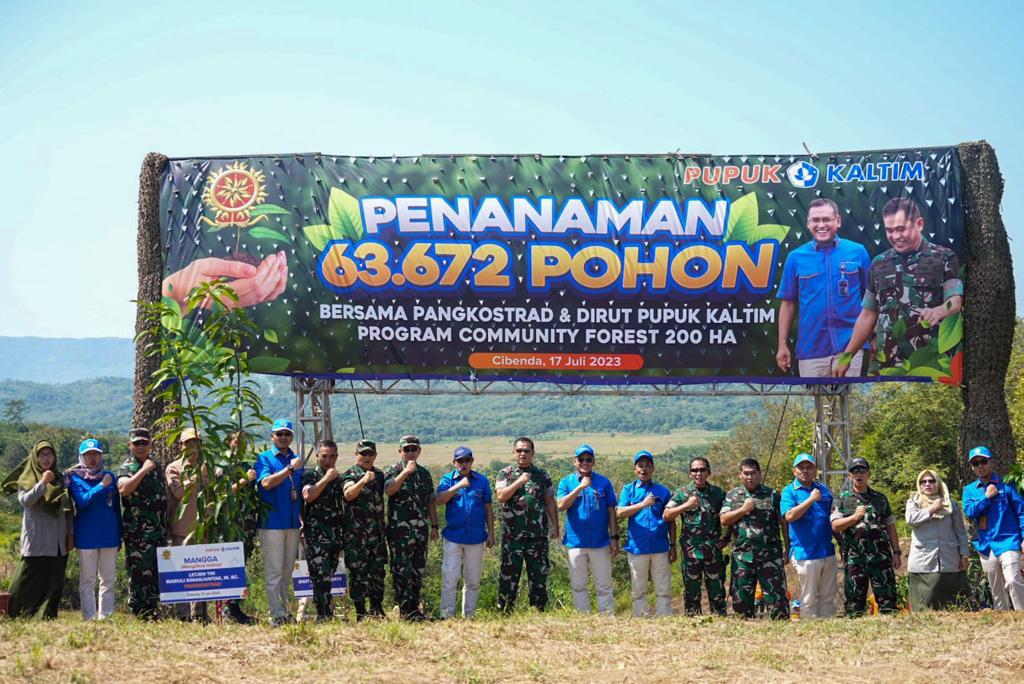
{"type": "Point", "coordinates": [802, 175]}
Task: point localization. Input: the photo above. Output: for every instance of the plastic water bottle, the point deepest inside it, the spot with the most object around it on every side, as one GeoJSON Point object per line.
{"type": "Point", "coordinates": [794, 610]}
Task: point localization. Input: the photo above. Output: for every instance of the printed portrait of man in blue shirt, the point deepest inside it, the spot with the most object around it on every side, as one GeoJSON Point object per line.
{"type": "Point", "coordinates": [824, 281]}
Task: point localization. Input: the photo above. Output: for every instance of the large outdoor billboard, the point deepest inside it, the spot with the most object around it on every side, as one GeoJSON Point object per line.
{"type": "Point", "coordinates": [597, 268]}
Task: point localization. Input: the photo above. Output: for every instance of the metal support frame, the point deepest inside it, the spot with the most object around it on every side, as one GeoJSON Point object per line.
{"type": "Point", "coordinates": [312, 412]}
{"type": "Point", "coordinates": [831, 429]}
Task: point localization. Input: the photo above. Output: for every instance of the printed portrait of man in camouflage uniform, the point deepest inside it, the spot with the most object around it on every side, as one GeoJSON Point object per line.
{"type": "Point", "coordinates": [140, 482]}
{"type": "Point", "coordinates": [412, 520]}
{"type": "Point", "coordinates": [871, 549]}
{"type": "Point", "coordinates": [912, 287]}
{"type": "Point", "coordinates": [323, 524]}
{"type": "Point", "coordinates": [527, 498]}
{"type": "Point", "coordinates": [366, 551]}
{"type": "Point", "coordinates": [699, 504]}
{"type": "Point", "coordinates": [757, 548]}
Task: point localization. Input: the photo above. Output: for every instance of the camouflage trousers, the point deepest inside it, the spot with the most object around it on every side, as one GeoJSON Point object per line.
{"type": "Point", "coordinates": [855, 587]}
{"type": "Point", "coordinates": [710, 569]}
{"type": "Point", "coordinates": [768, 569]}
{"type": "Point", "coordinates": [534, 553]}
{"type": "Point", "coordinates": [408, 567]}
{"type": "Point", "coordinates": [322, 559]}
{"type": "Point", "coordinates": [144, 584]}
{"type": "Point", "coordinates": [366, 562]}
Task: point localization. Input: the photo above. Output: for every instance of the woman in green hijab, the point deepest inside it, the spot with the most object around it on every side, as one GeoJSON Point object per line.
{"type": "Point", "coordinates": [46, 537]}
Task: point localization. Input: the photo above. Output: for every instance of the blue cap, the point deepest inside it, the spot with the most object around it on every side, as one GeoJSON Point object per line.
{"type": "Point", "coordinates": [981, 451]}
{"type": "Point", "coordinates": [461, 453]}
{"type": "Point", "coordinates": [801, 458]}
{"type": "Point", "coordinates": [89, 445]}
{"type": "Point", "coordinates": [643, 454]}
{"type": "Point", "coordinates": [282, 424]}
{"type": "Point", "coordinates": [584, 449]}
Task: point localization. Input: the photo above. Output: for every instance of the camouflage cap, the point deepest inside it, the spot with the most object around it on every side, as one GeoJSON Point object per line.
{"type": "Point", "coordinates": [366, 446]}
{"type": "Point", "coordinates": [408, 440]}
{"type": "Point", "coordinates": [139, 435]}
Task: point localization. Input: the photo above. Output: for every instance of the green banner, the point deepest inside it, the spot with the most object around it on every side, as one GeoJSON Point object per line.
{"type": "Point", "coordinates": [599, 269]}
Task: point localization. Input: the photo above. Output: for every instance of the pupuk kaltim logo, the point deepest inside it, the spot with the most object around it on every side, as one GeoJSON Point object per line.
{"type": "Point", "coordinates": [232, 193]}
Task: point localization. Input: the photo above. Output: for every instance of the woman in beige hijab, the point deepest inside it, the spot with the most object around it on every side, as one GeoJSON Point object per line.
{"type": "Point", "coordinates": [938, 548]}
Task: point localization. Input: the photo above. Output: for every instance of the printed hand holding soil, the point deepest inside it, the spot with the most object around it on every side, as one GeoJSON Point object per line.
{"type": "Point", "coordinates": [253, 284]}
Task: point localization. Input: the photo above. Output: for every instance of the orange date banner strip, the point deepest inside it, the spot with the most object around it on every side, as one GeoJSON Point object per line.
{"type": "Point", "coordinates": [595, 362]}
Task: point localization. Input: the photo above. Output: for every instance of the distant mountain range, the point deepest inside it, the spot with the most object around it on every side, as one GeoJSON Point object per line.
{"type": "Point", "coordinates": [86, 383]}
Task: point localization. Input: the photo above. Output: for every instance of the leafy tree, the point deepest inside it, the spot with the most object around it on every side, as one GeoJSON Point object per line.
{"type": "Point", "coordinates": [14, 413]}
{"type": "Point", "coordinates": [203, 378]}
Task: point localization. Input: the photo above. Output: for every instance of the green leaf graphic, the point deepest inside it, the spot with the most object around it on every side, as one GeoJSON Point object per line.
{"type": "Point", "coordinates": [268, 209]}
{"type": "Point", "coordinates": [951, 331]}
{"type": "Point", "coordinates": [320, 235]}
{"type": "Point", "coordinates": [271, 335]}
{"type": "Point", "coordinates": [344, 216]}
{"type": "Point", "coordinates": [742, 219]}
{"type": "Point", "coordinates": [268, 234]}
{"type": "Point", "coordinates": [345, 370]}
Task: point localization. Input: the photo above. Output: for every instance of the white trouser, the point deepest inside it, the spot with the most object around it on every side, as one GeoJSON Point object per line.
{"type": "Point", "coordinates": [90, 562]}
{"type": "Point", "coordinates": [600, 565]}
{"type": "Point", "coordinates": [653, 566]}
{"type": "Point", "coordinates": [1004, 579]}
{"type": "Point", "coordinates": [822, 367]}
{"type": "Point", "coordinates": [465, 560]}
{"type": "Point", "coordinates": [280, 549]}
{"type": "Point", "coordinates": [818, 586]}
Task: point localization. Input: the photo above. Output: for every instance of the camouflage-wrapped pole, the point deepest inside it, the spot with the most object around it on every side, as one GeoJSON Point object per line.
{"type": "Point", "coordinates": [150, 266]}
{"type": "Point", "coordinates": [989, 307]}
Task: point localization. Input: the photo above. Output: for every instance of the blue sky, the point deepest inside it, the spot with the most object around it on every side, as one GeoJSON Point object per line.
{"type": "Point", "coordinates": [87, 89]}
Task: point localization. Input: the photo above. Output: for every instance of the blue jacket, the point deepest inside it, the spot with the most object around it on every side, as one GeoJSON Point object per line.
{"type": "Point", "coordinates": [586, 521]}
{"type": "Point", "coordinates": [97, 512]}
{"type": "Point", "coordinates": [999, 520]}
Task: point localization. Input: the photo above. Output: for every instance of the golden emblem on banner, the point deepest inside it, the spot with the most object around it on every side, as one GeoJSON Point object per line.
{"type": "Point", "coordinates": [232, 193]}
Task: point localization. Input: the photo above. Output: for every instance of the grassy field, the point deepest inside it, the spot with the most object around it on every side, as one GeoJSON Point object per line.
{"type": "Point", "coordinates": [909, 648]}
{"type": "Point", "coordinates": [487, 449]}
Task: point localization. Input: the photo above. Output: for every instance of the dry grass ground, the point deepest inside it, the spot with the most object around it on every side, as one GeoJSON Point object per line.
{"type": "Point", "coordinates": [909, 648]}
{"type": "Point", "coordinates": [487, 449]}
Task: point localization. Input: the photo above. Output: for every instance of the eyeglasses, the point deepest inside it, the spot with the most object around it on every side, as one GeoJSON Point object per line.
{"type": "Point", "coordinates": [411, 449]}
{"type": "Point", "coordinates": [585, 459]}
{"type": "Point", "coordinates": [927, 480]}
{"type": "Point", "coordinates": [858, 471]}
{"type": "Point", "coordinates": [700, 470]}
{"type": "Point", "coordinates": [141, 442]}
{"type": "Point", "coordinates": [524, 451]}
{"type": "Point", "coordinates": [978, 464]}
{"type": "Point", "coordinates": [283, 433]}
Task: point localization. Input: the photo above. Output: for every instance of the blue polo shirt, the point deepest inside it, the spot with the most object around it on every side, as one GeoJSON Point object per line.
{"type": "Point", "coordinates": [283, 511]}
{"type": "Point", "coordinates": [586, 521]}
{"type": "Point", "coordinates": [828, 282]}
{"type": "Point", "coordinates": [465, 520]}
{"type": "Point", "coordinates": [648, 533]}
{"type": "Point", "coordinates": [999, 520]}
{"type": "Point", "coordinates": [810, 537]}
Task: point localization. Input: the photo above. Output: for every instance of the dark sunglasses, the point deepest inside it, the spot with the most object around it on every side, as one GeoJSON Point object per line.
{"type": "Point", "coordinates": [585, 459]}
{"type": "Point", "coordinates": [700, 470]}
{"type": "Point", "coordinates": [927, 480]}
{"type": "Point", "coordinates": [410, 449]}
{"type": "Point", "coordinates": [283, 433]}
{"type": "Point", "coordinates": [141, 442]}
{"type": "Point", "coordinates": [856, 471]}
{"type": "Point", "coordinates": [468, 459]}
{"type": "Point", "coordinates": [978, 464]}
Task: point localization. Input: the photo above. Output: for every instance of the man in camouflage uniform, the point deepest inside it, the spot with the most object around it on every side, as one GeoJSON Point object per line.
{"type": "Point", "coordinates": [527, 498]}
{"type": "Point", "coordinates": [699, 504]}
{"type": "Point", "coordinates": [323, 524]}
{"type": "Point", "coordinates": [366, 553]}
{"type": "Point", "coordinates": [411, 508]}
{"type": "Point", "coordinates": [140, 482]}
{"type": "Point", "coordinates": [912, 286]}
{"type": "Point", "coordinates": [757, 552]}
{"type": "Point", "coordinates": [871, 548]}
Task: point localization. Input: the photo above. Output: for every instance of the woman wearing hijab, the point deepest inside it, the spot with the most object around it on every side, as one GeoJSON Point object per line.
{"type": "Point", "coordinates": [938, 549]}
{"type": "Point", "coordinates": [46, 537]}
{"type": "Point", "coordinates": [97, 528]}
